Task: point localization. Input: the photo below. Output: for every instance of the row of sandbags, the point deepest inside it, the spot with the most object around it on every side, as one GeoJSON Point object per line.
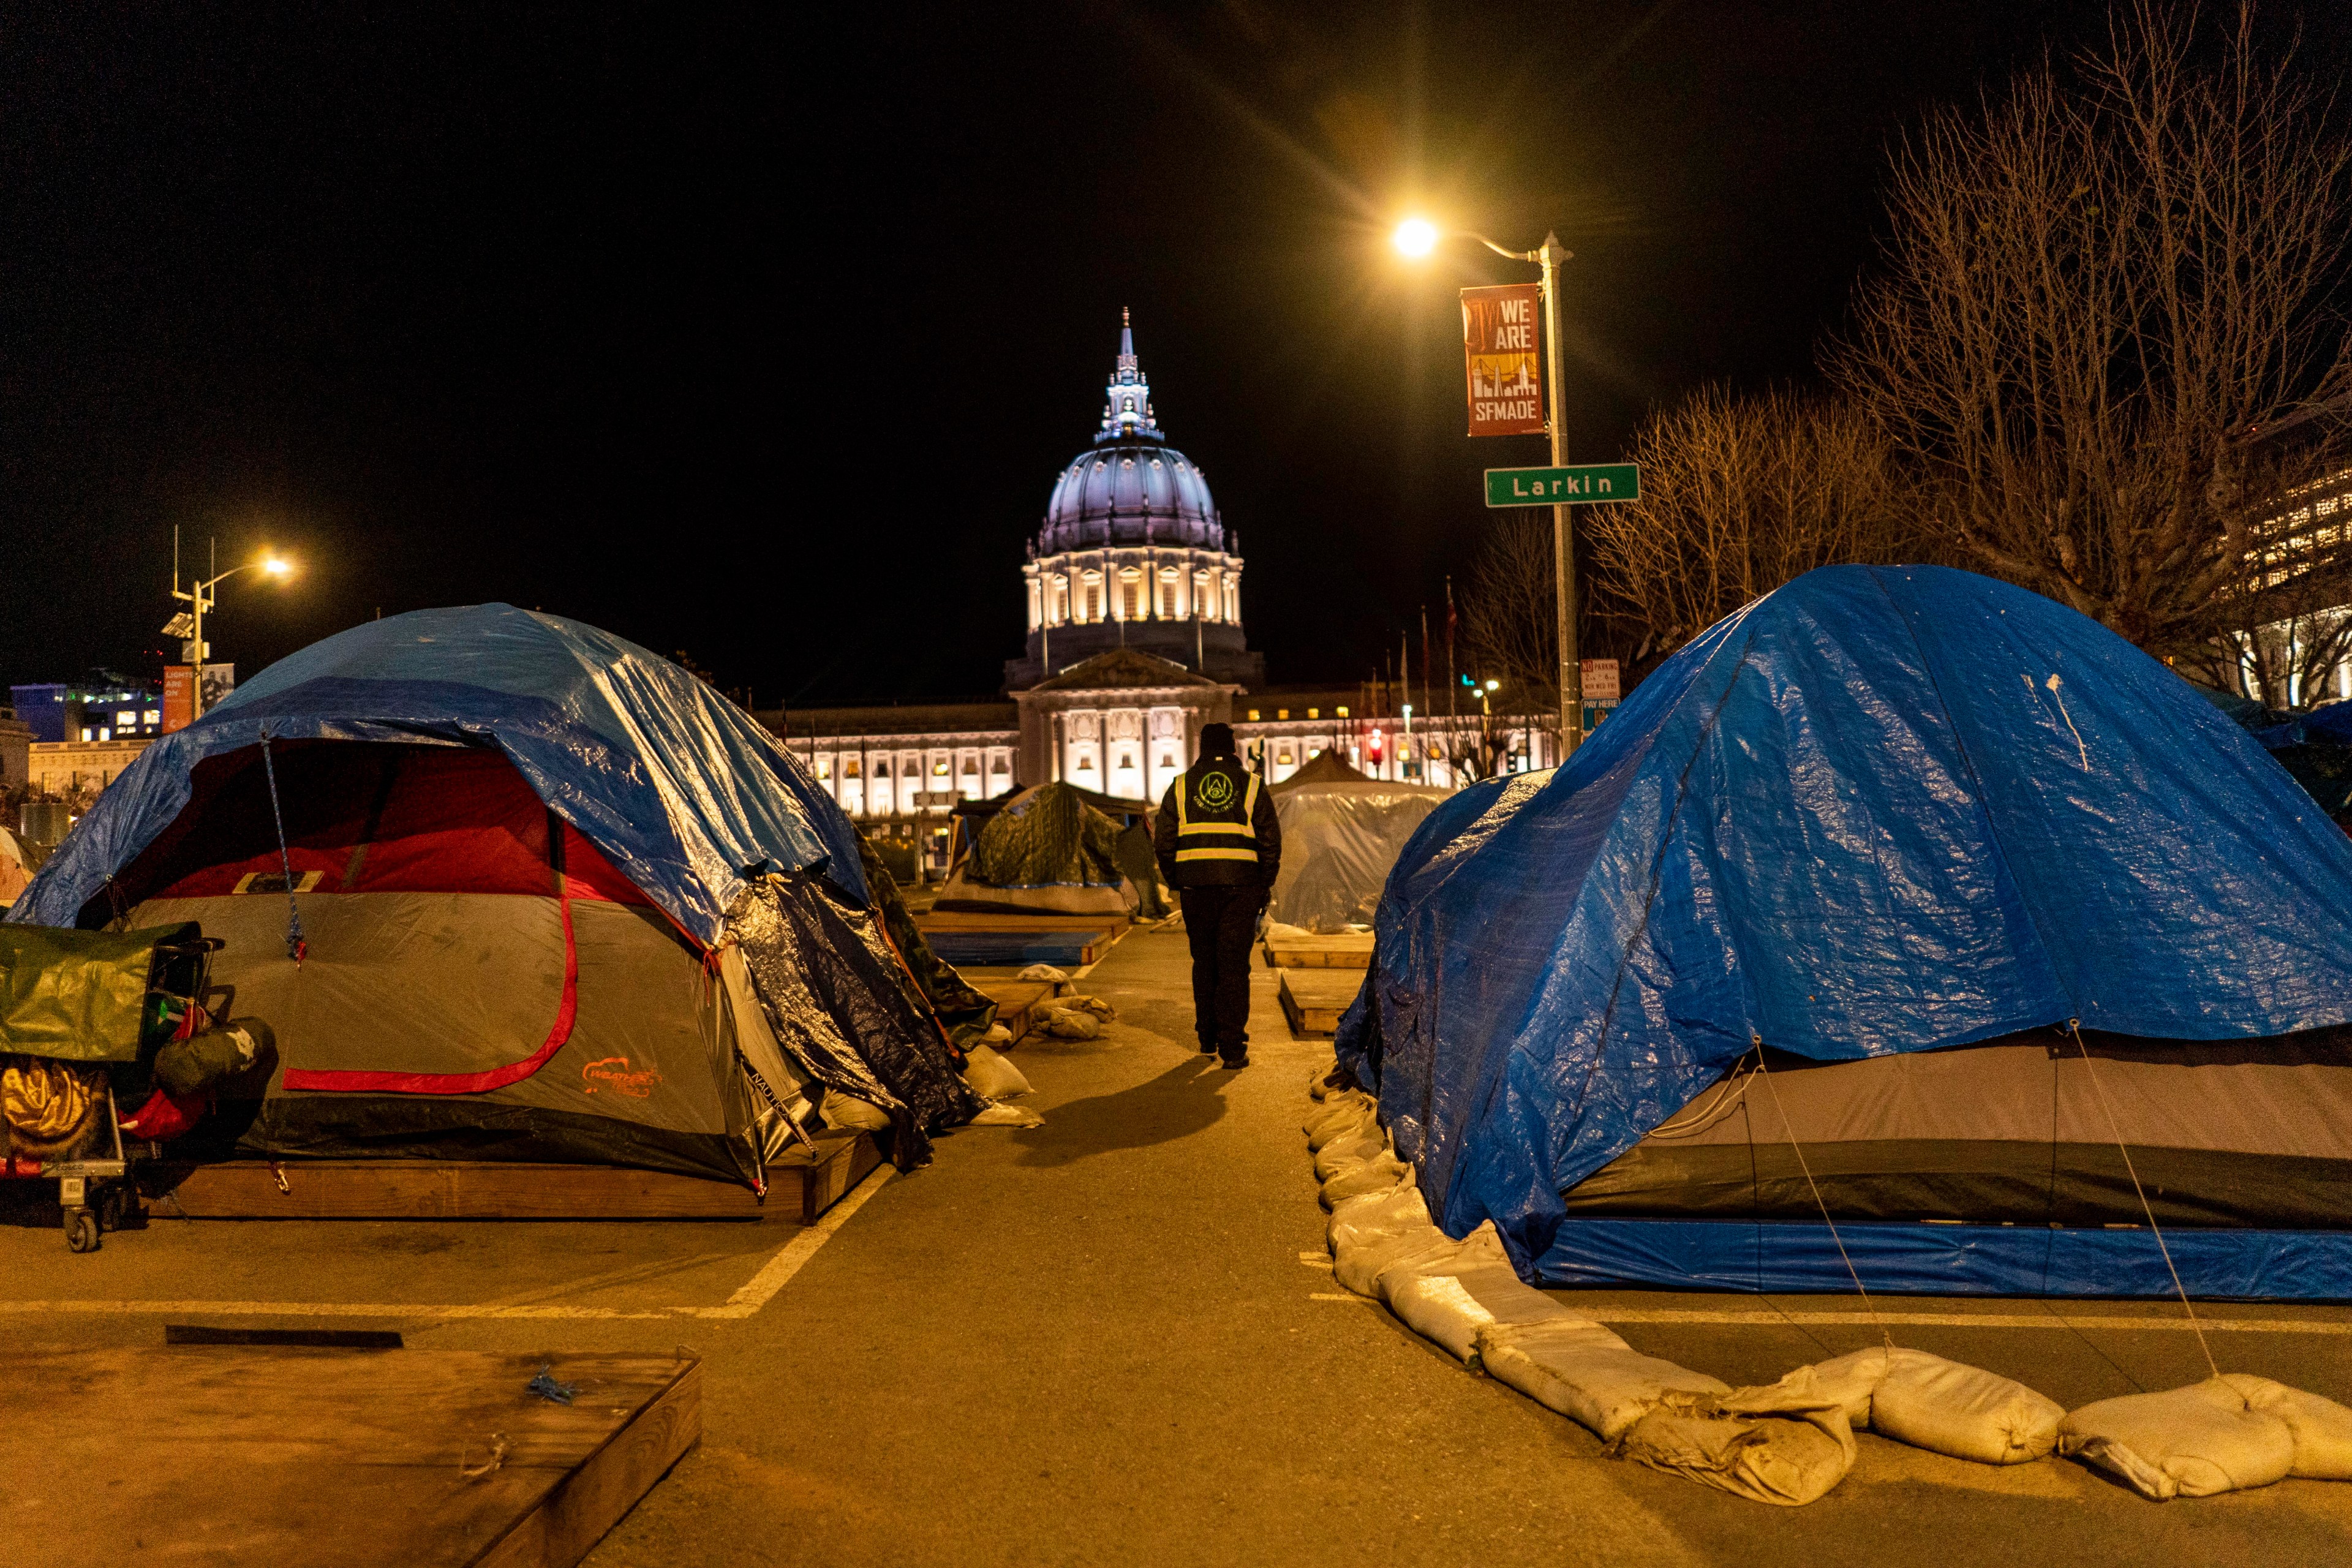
{"type": "Point", "coordinates": [1791, 1441]}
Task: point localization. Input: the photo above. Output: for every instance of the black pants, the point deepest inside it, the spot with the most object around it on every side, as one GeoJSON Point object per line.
{"type": "Point", "coordinates": [1219, 923]}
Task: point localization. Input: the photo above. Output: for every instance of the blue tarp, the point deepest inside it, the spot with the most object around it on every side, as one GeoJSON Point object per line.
{"type": "Point", "coordinates": [679, 788]}
{"type": "Point", "coordinates": [1880, 810]}
{"type": "Point", "coordinates": [1952, 1260]}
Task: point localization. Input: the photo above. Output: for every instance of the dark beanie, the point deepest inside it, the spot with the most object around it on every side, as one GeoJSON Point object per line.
{"type": "Point", "coordinates": [1217, 740]}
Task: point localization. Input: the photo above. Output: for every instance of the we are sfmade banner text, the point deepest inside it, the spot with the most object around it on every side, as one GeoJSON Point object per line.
{"type": "Point", "coordinates": [1500, 352]}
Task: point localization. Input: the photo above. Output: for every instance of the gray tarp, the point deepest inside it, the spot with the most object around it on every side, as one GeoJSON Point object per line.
{"type": "Point", "coordinates": [1338, 841]}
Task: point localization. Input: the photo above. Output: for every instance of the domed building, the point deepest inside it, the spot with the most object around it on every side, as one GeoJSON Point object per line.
{"type": "Point", "coordinates": [1132, 553]}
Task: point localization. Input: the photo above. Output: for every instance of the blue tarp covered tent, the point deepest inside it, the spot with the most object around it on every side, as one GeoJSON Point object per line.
{"type": "Point", "coordinates": [495, 884]}
{"type": "Point", "coordinates": [677, 786]}
{"type": "Point", "coordinates": [1880, 811]}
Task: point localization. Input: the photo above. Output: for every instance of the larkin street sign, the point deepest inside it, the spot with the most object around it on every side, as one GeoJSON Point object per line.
{"type": "Point", "coordinates": [1581, 485]}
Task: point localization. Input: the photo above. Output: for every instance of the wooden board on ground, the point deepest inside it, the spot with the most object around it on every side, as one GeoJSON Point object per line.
{"type": "Point", "coordinates": [982, 920]}
{"type": "Point", "coordinates": [1313, 999]}
{"type": "Point", "coordinates": [1293, 949]}
{"type": "Point", "coordinates": [802, 1185]}
{"type": "Point", "coordinates": [198, 1456]}
{"type": "Point", "coordinates": [1017, 1002]}
{"type": "Point", "coordinates": [1020, 948]}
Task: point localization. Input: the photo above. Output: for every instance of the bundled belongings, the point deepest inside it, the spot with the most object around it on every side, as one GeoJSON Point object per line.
{"type": "Point", "coordinates": [1837, 887]}
{"type": "Point", "coordinates": [1341, 832]}
{"type": "Point", "coordinates": [500, 886]}
{"type": "Point", "coordinates": [90, 1022]}
{"type": "Point", "coordinates": [1047, 851]}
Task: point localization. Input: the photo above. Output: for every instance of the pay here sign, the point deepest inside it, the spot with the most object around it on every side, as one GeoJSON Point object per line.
{"type": "Point", "coordinates": [1499, 348]}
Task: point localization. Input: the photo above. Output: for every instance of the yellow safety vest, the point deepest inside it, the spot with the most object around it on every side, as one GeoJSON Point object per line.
{"type": "Point", "coordinates": [1209, 829]}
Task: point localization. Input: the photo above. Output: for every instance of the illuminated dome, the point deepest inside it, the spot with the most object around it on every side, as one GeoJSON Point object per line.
{"type": "Point", "coordinates": [1131, 487]}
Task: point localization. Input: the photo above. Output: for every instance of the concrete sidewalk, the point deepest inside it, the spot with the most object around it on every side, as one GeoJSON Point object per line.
{"type": "Point", "coordinates": [1111, 1340]}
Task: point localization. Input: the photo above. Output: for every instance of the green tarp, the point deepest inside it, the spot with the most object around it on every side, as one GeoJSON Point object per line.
{"type": "Point", "coordinates": [78, 995]}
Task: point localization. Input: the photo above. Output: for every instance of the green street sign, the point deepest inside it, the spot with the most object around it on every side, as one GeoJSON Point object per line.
{"type": "Point", "coordinates": [1579, 486]}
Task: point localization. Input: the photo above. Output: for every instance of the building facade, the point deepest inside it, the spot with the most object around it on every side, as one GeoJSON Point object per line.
{"type": "Point", "coordinates": [1132, 589]}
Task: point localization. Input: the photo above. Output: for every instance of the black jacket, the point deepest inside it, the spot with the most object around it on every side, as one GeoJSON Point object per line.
{"type": "Point", "coordinates": [1237, 821]}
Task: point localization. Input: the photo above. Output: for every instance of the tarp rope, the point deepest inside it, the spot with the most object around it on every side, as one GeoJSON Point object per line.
{"type": "Point", "coordinates": [295, 946]}
{"type": "Point", "coordinates": [1790, 1127]}
{"type": "Point", "coordinates": [2116, 1130]}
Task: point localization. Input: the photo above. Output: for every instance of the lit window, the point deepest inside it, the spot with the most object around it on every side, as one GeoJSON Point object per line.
{"type": "Point", "coordinates": [89, 734]}
{"type": "Point", "coordinates": [940, 769]}
{"type": "Point", "coordinates": [1253, 715]}
{"type": "Point", "coordinates": [823, 769]}
{"type": "Point", "coordinates": [152, 716]}
{"type": "Point", "coordinates": [126, 721]}
{"type": "Point", "coordinates": [1312, 714]}
{"type": "Point", "coordinates": [1284, 758]}
{"type": "Point", "coordinates": [1282, 712]}
{"type": "Point", "coordinates": [1342, 712]}
{"type": "Point", "coordinates": [850, 768]}
{"type": "Point", "coordinates": [104, 733]}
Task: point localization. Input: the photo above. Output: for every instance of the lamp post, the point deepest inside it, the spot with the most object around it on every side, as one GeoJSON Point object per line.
{"type": "Point", "coordinates": [1416, 237]}
{"type": "Point", "coordinates": [201, 596]}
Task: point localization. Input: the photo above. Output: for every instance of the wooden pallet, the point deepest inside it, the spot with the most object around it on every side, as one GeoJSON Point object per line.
{"type": "Point", "coordinates": [983, 920]}
{"type": "Point", "coordinates": [1019, 949]}
{"type": "Point", "coordinates": [199, 1455]}
{"type": "Point", "coordinates": [1018, 1003]}
{"type": "Point", "coordinates": [1313, 999]}
{"type": "Point", "coordinates": [801, 1186]}
{"type": "Point", "coordinates": [1304, 950]}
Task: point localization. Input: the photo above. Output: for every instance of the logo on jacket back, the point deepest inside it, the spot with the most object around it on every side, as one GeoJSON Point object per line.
{"type": "Point", "coordinates": [1215, 790]}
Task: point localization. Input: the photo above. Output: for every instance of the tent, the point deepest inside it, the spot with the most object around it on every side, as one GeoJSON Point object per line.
{"type": "Point", "coordinates": [1045, 851]}
{"type": "Point", "coordinates": [1882, 811]}
{"type": "Point", "coordinates": [1341, 831]}
{"type": "Point", "coordinates": [498, 885]}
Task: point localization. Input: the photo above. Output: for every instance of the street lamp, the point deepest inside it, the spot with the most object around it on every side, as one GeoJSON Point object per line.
{"type": "Point", "coordinates": [201, 596]}
{"type": "Point", "coordinates": [1417, 237]}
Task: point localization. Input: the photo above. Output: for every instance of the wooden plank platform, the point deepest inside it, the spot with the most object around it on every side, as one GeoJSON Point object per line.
{"type": "Point", "coordinates": [983, 920]}
{"type": "Point", "coordinates": [1313, 999]}
{"type": "Point", "coordinates": [1293, 949]}
{"type": "Point", "coordinates": [801, 1186]}
{"type": "Point", "coordinates": [231, 1455]}
{"type": "Point", "coordinates": [1018, 1002]}
{"type": "Point", "coordinates": [1011, 949]}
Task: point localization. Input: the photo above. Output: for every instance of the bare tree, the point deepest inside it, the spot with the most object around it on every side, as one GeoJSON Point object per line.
{"type": "Point", "coordinates": [2097, 289]}
{"type": "Point", "coordinates": [1740, 496]}
{"type": "Point", "coordinates": [1509, 621]}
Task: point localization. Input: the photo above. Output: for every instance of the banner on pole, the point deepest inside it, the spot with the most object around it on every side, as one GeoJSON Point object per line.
{"type": "Point", "coordinates": [1501, 349]}
{"type": "Point", "coordinates": [179, 696]}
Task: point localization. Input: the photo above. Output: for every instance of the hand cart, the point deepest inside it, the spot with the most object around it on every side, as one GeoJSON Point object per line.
{"type": "Point", "coordinates": [98, 1005]}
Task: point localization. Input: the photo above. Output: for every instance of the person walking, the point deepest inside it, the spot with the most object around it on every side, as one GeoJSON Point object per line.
{"type": "Point", "coordinates": [1219, 844]}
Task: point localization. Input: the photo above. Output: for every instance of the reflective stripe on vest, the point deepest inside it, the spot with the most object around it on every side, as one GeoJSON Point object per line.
{"type": "Point", "coordinates": [1217, 839]}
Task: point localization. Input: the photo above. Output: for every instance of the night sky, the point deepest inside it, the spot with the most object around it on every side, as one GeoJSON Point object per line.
{"type": "Point", "coordinates": [763, 335]}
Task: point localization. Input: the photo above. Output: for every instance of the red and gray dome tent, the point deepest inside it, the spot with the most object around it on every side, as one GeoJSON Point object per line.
{"type": "Point", "coordinates": [1891, 835]}
{"type": "Point", "coordinates": [552, 898]}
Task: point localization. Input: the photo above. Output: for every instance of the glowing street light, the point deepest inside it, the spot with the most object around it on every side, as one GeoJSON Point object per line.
{"type": "Point", "coordinates": [1417, 237]}
{"type": "Point", "coordinates": [201, 596]}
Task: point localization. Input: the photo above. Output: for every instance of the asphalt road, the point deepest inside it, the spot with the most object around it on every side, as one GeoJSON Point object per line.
{"type": "Point", "coordinates": [1107, 1340]}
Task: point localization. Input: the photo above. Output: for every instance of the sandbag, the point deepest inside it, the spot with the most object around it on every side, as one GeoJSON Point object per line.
{"type": "Point", "coordinates": [1585, 1371]}
{"type": "Point", "coordinates": [846, 1113]}
{"type": "Point", "coordinates": [1007, 1116]}
{"type": "Point", "coordinates": [1347, 1153]}
{"type": "Point", "coordinates": [2321, 1429]}
{"type": "Point", "coordinates": [1368, 1234]}
{"type": "Point", "coordinates": [1851, 1379]}
{"type": "Point", "coordinates": [1344, 1118]}
{"type": "Point", "coordinates": [1774, 1445]}
{"type": "Point", "coordinates": [991, 1076]}
{"type": "Point", "coordinates": [1451, 1299]}
{"type": "Point", "coordinates": [1376, 1175]}
{"type": "Point", "coordinates": [2185, 1442]}
{"type": "Point", "coordinates": [1963, 1411]}
{"type": "Point", "coordinates": [1070, 1024]}
{"type": "Point", "coordinates": [1045, 971]}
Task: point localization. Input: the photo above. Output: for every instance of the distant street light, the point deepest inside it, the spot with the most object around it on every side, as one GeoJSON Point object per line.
{"type": "Point", "coordinates": [201, 596]}
{"type": "Point", "coordinates": [1417, 237]}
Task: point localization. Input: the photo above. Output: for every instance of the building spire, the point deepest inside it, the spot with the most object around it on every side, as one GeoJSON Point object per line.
{"type": "Point", "coordinates": [1128, 413]}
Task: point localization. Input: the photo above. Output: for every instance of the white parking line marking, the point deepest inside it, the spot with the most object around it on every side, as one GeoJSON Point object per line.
{"type": "Point", "coordinates": [1344, 1296]}
{"type": "Point", "coordinates": [757, 1292]}
{"type": "Point", "coordinates": [1316, 1260]}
